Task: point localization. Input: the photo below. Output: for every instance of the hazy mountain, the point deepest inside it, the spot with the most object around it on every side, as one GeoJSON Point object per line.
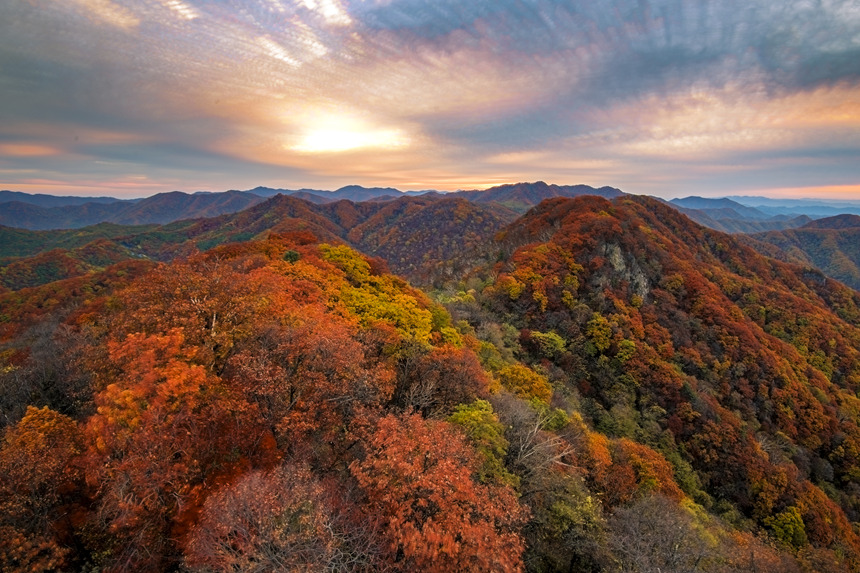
{"type": "Point", "coordinates": [813, 208]}
{"type": "Point", "coordinates": [730, 221]}
{"type": "Point", "coordinates": [733, 217]}
{"type": "Point", "coordinates": [355, 193]}
{"type": "Point", "coordinates": [41, 200]}
{"type": "Point", "coordinates": [520, 197]}
{"type": "Point", "coordinates": [160, 208]}
{"type": "Point", "coordinates": [846, 221]}
{"type": "Point", "coordinates": [720, 208]}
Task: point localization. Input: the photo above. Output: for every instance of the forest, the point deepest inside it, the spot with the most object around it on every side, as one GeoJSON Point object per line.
{"type": "Point", "coordinates": [598, 386]}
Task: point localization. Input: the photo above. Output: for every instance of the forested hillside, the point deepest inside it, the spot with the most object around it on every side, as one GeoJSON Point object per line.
{"type": "Point", "coordinates": [740, 370]}
{"type": "Point", "coordinates": [601, 386]}
{"type": "Point", "coordinates": [831, 244]}
{"type": "Point", "coordinates": [420, 237]}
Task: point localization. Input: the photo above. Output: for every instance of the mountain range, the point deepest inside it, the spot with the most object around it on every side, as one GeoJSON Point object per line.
{"type": "Point", "coordinates": [598, 384]}
{"type": "Point", "coordinates": [43, 212]}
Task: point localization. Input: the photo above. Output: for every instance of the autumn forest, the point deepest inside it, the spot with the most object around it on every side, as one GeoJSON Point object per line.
{"type": "Point", "coordinates": [425, 384]}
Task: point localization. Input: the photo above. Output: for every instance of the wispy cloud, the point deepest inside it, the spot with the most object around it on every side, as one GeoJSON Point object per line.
{"type": "Point", "coordinates": [661, 96]}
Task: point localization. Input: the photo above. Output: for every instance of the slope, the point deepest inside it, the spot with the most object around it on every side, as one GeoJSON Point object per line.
{"type": "Point", "coordinates": [417, 236]}
{"type": "Point", "coordinates": [520, 197]}
{"type": "Point", "coordinates": [425, 238]}
{"type": "Point", "coordinates": [832, 244]}
{"type": "Point", "coordinates": [740, 369]}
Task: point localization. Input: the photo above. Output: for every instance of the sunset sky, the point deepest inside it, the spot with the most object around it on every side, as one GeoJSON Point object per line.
{"type": "Point", "coordinates": [664, 97]}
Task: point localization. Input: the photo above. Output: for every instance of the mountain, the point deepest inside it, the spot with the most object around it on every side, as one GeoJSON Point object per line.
{"type": "Point", "coordinates": [41, 200]}
{"type": "Point", "coordinates": [597, 385]}
{"type": "Point", "coordinates": [845, 221]}
{"type": "Point", "coordinates": [59, 264]}
{"type": "Point", "coordinates": [740, 368]}
{"type": "Point", "coordinates": [28, 216]}
{"type": "Point", "coordinates": [420, 237]}
{"type": "Point", "coordinates": [729, 208]}
{"type": "Point", "coordinates": [813, 208]}
{"type": "Point", "coordinates": [430, 238]}
{"type": "Point", "coordinates": [732, 217]}
{"type": "Point", "coordinates": [520, 197]}
{"type": "Point", "coordinates": [412, 234]}
{"type": "Point", "coordinates": [355, 193]}
{"type": "Point", "coordinates": [160, 208]}
{"type": "Point", "coordinates": [831, 244]}
{"type": "Point", "coordinates": [729, 221]}
{"type": "Point", "coordinates": [174, 206]}
{"type": "Point", "coordinates": [23, 243]}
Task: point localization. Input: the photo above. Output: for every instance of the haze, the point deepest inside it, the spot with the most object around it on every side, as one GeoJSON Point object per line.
{"type": "Point", "coordinates": [664, 97]}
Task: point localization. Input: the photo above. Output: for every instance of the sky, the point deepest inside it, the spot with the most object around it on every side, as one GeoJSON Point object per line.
{"type": "Point", "coordinates": [664, 97]}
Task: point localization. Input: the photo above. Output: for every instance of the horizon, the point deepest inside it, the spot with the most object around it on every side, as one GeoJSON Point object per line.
{"type": "Point", "coordinates": [662, 97]}
{"type": "Point", "coordinates": [824, 200]}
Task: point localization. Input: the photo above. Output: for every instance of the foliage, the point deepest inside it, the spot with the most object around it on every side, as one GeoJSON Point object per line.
{"type": "Point", "coordinates": [487, 436]}
{"type": "Point", "coordinates": [284, 404]}
{"type": "Point", "coordinates": [417, 478]}
{"type": "Point", "coordinates": [525, 382]}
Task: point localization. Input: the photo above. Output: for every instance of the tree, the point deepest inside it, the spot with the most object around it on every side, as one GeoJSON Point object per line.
{"type": "Point", "coordinates": [418, 480]}
{"type": "Point", "coordinates": [656, 534]}
{"type": "Point", "coordinates": [166, 431]}
{"type": "Point", "coordinates": [525, 382]}
{"type": "Point", "coordinates": [487, 435]}
{"type": "Point", "coordinates": [278, 520]}
{"type": "Point", "coordinates": [434, 382]}
{"type": "Point", "coordinates": [40, 478]}
{"type": "Point", "coordinates": [309, 378]}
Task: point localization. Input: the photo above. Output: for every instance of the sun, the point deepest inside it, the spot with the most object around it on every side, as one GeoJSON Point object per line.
{"type": "Point", "coordinates": [339, 140]}
{"type": "Point", "coordinates": [335, 134]}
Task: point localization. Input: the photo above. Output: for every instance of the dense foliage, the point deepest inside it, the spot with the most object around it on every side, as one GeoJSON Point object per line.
{"type": "Point", "coordinates": [741, 371]}
{"type": "Point", "coordinates": [419, 237]}
{"type": "Point", "coordinates": [617, 390]}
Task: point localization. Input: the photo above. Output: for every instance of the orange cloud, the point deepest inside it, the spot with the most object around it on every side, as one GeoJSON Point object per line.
{"type": "Point", "coordinates": [28, 150]}
{"type": "Point", "coordinates": [705, 123]}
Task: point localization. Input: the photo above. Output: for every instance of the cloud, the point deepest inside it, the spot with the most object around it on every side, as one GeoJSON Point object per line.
{"type": "Point", "coordinates": [479, 89]}
{"type": "Point", "coordinates": [28, 150]}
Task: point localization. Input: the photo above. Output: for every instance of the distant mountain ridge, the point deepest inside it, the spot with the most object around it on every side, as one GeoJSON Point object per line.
{"type": "Point", "coordinates": [35, 214]}
{"type": "Point", "coordinates": [814, 208]}
{"type": "Point", "coordinates": [730, 216]}
{"type": "Point", "coordinates": [416, 235]}
{"type": "Point", "coordinates": [160, 209]}
{"type": "Point", "coordinates": [521, 197]}
{"type": "Point", "coordinates": [43, 200]}
{"type": "Point", "coordinates": [846, 221]}
{"type": "Point", "coordinates": [728, 206]}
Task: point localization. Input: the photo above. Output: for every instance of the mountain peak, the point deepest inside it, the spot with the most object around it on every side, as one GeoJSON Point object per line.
{"type": "Point", "coordinates": [845, 221]}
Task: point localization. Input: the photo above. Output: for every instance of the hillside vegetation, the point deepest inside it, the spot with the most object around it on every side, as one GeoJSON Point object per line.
{"type": "Point", "coordinates": [602, 386]}
{"type": "Point", "coordinates": [831, 244]}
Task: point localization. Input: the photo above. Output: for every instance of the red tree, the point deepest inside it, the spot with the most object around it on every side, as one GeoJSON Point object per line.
{"type": "Point", "coordinates": [418, 478]}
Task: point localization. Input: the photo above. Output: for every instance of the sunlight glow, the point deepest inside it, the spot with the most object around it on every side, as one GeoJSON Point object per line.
{"type": "Point", "coordinates": [337, 140]}
{"type": "Point", "coordinates": [339, 133]}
